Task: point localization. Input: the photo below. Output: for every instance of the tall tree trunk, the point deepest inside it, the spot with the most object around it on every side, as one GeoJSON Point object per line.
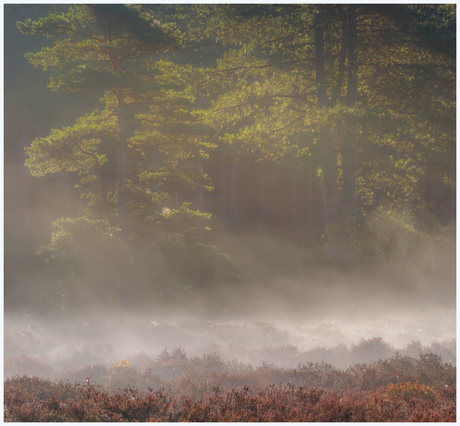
{"type": "Point", "coordinates": [122, 167]}
{"type": "Point", "coordinates": [349, 148]}
{"type": "Point", "coordinates": [328, 155]}
{"type": "Point", "coordinates": [234, 197]}
{"type": "Point", "coordinates": [293, 204]}
{"type": "Point", "coordinates": [310, 197]}
{"type": "Point", "coordinates": [320, 71]}
{"type": "Point", "coordinates": [200, 194]}
{"type": "Point", "coordinates": [224, 192]}
{"type": "Point", "coordinates": [261, 194]}
{"type": "Point", "coordinates": [336, 93]}
{"type": "Point", "coordinates": [176, 197]}
{"type": "Point", "coordinates": [25, 129]}
{"type": "Point", "coordinates": [352, 92]}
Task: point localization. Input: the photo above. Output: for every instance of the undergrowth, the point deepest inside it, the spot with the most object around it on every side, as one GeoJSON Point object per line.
{"type": "Point", "coordinates": [208, 388]}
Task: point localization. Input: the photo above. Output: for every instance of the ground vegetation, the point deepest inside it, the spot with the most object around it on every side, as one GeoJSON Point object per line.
{"type": "Point", "coordinates": [209, 389]}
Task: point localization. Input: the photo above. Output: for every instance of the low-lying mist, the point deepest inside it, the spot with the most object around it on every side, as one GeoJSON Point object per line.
{"type": "Point", "coordinates": [338, 318]}
{"type": "Point", "coordinates": [35, 347]}
{"type": "Point", "coordinates": [283, 312]}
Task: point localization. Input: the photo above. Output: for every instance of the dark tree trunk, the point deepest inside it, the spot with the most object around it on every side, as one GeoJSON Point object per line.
{"type": "Point", "coordinates": [156, 161]}
{"type": "Point", "coordinates": [352, 93]}
{"type": "Point", "coordinates": [310, 198]}
{"type": "Point", "coordinates": [261, 194]}
{"type": "Point", "coordinates": [200, 191]}
{"type": "Point", "coordinates": [349, 146]}
{"type": "Point", "coordinates": [320, 71]}
{"type": "Point", "coordinates": [233, 204]}
{"type": "Point", "coordinates": [328, 155]}
{"type": "Point", "coordinates": [224, 192]}
{"type": "Point", "coordinates": [293, 204]}
{"type": "Point", "coordinates": [336, 94]}
{"type": "Point", "coordinates": [122, 167]}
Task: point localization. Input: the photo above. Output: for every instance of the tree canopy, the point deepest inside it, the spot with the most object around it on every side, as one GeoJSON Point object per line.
{"type": "Point", "coordinates": [316, 118]}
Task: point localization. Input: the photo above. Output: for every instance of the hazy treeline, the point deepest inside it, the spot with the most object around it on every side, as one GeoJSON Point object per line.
{"type": "Point", "coordinates": [197, 147]}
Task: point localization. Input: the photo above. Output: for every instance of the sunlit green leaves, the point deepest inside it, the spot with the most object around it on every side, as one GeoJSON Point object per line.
{"type": "Point", "coordinates": [74, 148]}
{"type": "Point", "coordinates": [265, 94]}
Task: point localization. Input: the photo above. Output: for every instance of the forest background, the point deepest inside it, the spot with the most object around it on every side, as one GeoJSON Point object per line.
{"type": "Point", "coordinates": [310, 144]}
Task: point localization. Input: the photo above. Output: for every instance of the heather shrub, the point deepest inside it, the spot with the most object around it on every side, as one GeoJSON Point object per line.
{"type": "Point", "coordinates": [370, 350]}
{"type": "Point", "coordinates": [338, 356]}
{"type": "Point", "coordinates": [26, 365]}
{"type": "Point", "coordinates": [27, 389]}
{"type": "Point", "coordinates": [170, 365]}
{"type": "Point", "coordinates": [283, 356]}
{"type": "Point", "coordinates": [414, 349]}
{"type": "Point", "coordinates": [412, 402]}
{"type": "Point", "coordinates": [86, 355]}
{"type": "Point", "coordinates": [174, 386]}
{"type": "Point", "coordinates": [446, 350]}
{"type": "Point", "coordinates": [32, 399]}
{"type": "Point", "coordinates": [406, 391]}
{"type": "Point", "coordinates": [97, 373]}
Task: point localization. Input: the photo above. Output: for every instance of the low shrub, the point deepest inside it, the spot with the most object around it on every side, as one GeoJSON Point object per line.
{"type": "Point", "coordinates": [210, 389]}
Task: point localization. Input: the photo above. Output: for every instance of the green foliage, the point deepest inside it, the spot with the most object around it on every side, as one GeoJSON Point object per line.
{"type": "Point", "coordinates": [280, 81]}
{"type": "Point", "coordinates": [86, 258]}
{"type": "Point", "coordinates": [179, 237]}
{"type": "Point", "coordinates": [383, 237]}
{"type": "Point", "coordinates": [89, 262]}
{"type": "Point", "coordinates": [149, 141]}
{"type": "Point", "coordinates": [76, 237]}
{"type": "Point", "coordinates": [89, 35]}
{"type": "Point", "coordinates": [270, 99]}
{"type": "Point", "coordinates": [74, 148]}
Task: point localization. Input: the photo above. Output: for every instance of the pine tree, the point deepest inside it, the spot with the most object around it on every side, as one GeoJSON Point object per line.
{"type": "Point", "coordinates": [131, 156]}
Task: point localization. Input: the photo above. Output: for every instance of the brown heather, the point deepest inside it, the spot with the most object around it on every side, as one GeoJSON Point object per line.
{"type": "Point", "coordinates": [207, 388]}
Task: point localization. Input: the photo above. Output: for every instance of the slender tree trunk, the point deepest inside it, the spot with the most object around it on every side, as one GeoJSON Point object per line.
{"type": "Point", "coordinates": [352, 93]}
{"type": "Point", "coordinates": [122, 139]}
{"type": "Point", "coordinates": [336, 94]}
{"type": "Point", "coordinates": [122, 167]}
{"type": "Point", "coordinates": [25, 135]}
{"type": "Point", "coordinates": [293, 204]}
{"type": "Point", "coordinates": [320, 71]}
{"type": "Point", "coordinates": [349, 148]}
{"type": "Point", "coordinates": [234, 197]}
{"type": "Point", "coordinates": [328, 155]}
{"type": "Point", "coordinates": [176, 197]}
{"type": "Point", "coordinates": [310, 197]}
{"type": "Point", "coordinates": [200, 191]}
{"type": "Point", "coordinates": [156, 166]}
{"type": "Point", "coordinates": [224, 192]}
{"type": "Point", "coordinates": [261, 191]}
